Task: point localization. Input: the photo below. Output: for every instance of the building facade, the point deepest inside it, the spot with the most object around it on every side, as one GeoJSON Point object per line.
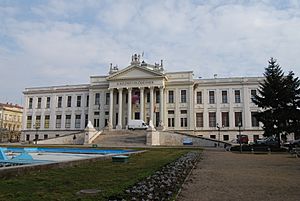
{"type": "Point", "coordinates": [10, 122]}
{"type": "Point", "coordinates": [218, 108]}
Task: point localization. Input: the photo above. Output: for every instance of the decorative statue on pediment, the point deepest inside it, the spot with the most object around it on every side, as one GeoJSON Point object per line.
{"type": "Point", "coordinates": [135, 59]}
{"type": "Point", "coordinates": [113, 69]}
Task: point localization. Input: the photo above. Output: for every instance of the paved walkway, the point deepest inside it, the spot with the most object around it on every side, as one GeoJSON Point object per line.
{"type": "Point", "coordinates": [230, 176]}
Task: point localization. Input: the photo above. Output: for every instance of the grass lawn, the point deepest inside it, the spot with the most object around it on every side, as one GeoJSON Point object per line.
{"type": "Point", "coordinates": [110, 178]}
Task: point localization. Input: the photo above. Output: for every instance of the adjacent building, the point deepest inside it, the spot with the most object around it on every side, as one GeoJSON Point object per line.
{"type": "Point", "coordinates": [219, 108]}
{"type": "Point", "coordinates": [10, 122]}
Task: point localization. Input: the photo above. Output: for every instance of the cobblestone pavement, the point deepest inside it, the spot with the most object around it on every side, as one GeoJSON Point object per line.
{"type": "Point", "coordinates": [230, 176]}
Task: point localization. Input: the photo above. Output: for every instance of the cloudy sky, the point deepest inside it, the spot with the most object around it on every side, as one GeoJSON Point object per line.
{"type": "Point", "coordinates": [45, 43]}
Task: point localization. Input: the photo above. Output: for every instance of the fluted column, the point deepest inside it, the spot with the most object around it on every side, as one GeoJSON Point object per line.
{"type": "Point", "coordinates": [142, 103]}
{"type": "Point", "coordinates": [129, 103]}
{"type": "Point", "coordinates": [111, 106]}
{"type": "Point", "coordinates": [161, 107]}
{"type": "Point", "coordinates": [119, 126]}
{"type": "Point", "coordinates": [151, 107]}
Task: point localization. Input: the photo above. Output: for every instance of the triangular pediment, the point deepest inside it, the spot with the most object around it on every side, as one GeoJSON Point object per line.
{"type": "Point", "coordinates": [133, 72]}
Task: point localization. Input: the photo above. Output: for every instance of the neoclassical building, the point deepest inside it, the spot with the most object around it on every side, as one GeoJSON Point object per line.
{"type": "Point", "coordinates": [218, 108]}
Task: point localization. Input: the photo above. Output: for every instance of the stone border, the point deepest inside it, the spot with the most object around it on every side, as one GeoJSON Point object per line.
{"type": "Point", "coordinates": [165, 183]}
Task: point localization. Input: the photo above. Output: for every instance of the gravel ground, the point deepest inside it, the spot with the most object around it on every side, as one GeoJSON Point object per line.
{"type": "Point", "coordinates": [224, 176]}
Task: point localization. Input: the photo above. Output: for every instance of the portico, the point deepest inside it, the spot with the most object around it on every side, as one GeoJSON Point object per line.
{"type": "Point", "coordinates": [140, 103]}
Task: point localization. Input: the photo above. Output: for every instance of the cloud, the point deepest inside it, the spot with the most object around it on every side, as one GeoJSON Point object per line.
{"type": "Point", "coordinates": [64, 42]}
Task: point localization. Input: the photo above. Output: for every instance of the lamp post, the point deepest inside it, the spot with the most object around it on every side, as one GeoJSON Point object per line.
{"type": "Point", "coordinates": [219, 128]}
{"type": "Point", "coordinates": [240, 137]}
{"type": "Point", "coordinates": [36, 133]}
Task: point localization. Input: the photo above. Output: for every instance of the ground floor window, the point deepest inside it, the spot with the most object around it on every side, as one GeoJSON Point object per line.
{"type": "Point", "coordinates": [171, 122]}
{"type": "Point", "coordinates": [183, 122]}
{"type": "Point", "coordinates": [58, 121]}
{"type": "Point", "coordinates": [45, 136]}
{"type": "Point", "coordinates": [212, 136]}
{"type": "Point", "coordinates": [47, 121]}
{"type": "Point", "coordinates": [96, 123]}
{"type": "Point", "coordinates": [27, 137]}
{"type": "Point", "coordinates": [199, 119]}
{"type": "Point", "coordinates": [225, 137]}
{"type": "Point", "coordinates": [77, 121]}
{"type": "Point", "coordinates": [68, 121]}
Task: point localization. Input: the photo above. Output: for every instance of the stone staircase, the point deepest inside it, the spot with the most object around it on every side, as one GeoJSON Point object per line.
{"type": "Point", "coordinates": [121, 138]}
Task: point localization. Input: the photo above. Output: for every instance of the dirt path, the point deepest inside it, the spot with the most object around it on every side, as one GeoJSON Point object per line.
{"type": "Point", "coordinates": [224, 176]}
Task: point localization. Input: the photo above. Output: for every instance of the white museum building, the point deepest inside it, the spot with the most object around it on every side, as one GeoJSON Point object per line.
{"type": "Point", "coordinates": [217, 108]}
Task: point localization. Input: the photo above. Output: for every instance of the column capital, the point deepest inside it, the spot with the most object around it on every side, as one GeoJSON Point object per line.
{"type": "Point", "coordinates": [141, 88]}
{"type": "Point", "coordinates": [120, 89]}
{"type": "Point", "coordinates": [161, 87]}
{"type": "Point", "coordinates": [129, 88]}
{"type": "Point", "coordinates": [111, 89]}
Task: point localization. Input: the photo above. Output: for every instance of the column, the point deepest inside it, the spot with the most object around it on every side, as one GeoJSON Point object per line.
{"type": "Point", "coordinates": [142, 103]}
{"type": "Point", "coordinates": [161, 107]}
{"type": "Point", "coordinates": [129, 103]}
{"type": "Point", "coordinates": [151, 107]}
{"type": "Point", "coordinates": [119, 126]}
{"type": "Point", "coordinates": [111, 105]}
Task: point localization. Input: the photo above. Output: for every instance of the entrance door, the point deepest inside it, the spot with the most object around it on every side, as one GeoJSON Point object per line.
{"type": "Point", "coordinates": [156, 119]}
{"type": "Point", "coordinates": [136, 115]}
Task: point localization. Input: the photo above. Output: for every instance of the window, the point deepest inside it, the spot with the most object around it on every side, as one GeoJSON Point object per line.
{"type": "Point", "coordinates": [183, 96]}
{"type": "Point", "coordinates": [157, 96]}
{"type": "Point", "coordinates": [96, 113]}
{"type": "Point", "coordinates": [126, 98]}
{"type": "Point", "coordinates": [48, 102]}
{"type": "Point", "coordinates": [97, 98]}
{"type": "Point", "coordinates": [86, 121]}
{"type": "Point", "coordinates": [107, 97]}
{"type": "Point", "coordinates": [58, 121]}
{"type": "Point", "coordinates": [225, 137]}
{"type": "Point", "coordinates": [225, 119]}
{"type": "Point", "coordinates": [237, 96]}
{"type": "Point", "coordinates": [211, 97]}
{"type": "Point", "coordinates": [68, 121]}
{"type": "Point", "coordinates": [199, 97]}
{"type": "Point", "coordinates": [45, 136]}
{"type": "Point", "coordinates": [148, 97]}
{"type": "Point", "coordinates": [30, 103]}
{"type": "Point", "coordinates": [170, 111]}
{"type": "Point", "coordinates": [47, 121]}
{"type": "Point", "coordinates": [38, 121]}
{"type": "Point", "coordinates": [199, 119]}
{"type": "Point", "coordinates": [59, 101]}
{"type": "Point", "coordinates": [171, 96]}
{"type": "Point", "coordinates": [39, 104]}
{"type": "Point", "coordinates": [254, 120]}
{"type": "Point", "coordinates": [171, 122]}
{"type": "Point", "coordinates": [255, 137]}
{"type": "Point", "coordinates": [96, 123]}
{"type": "Point", "coordinates": [87, 100]}
{"type": "Point", "coordinates": [224, 97]}
{"type": "Point", "coordinates": [253, 94]}
{"type": "Point", "coordinates": [78, 102]}
{"type": "Point", "coordinates": [29, 122]}
{"type": "Point", "coordinates": [238, 119]}
{"type": "Point", "coordinates": [212, 136]}
{"type": "Point", "coordinates": [69, 101]}
{"type": "Point", "coordinates": [212, 119]}
{"type": "Point", "coordinates": [27, 137]}
{"type": "Point", "coordinates": [183, 111]}
{"type": "Point", "coordinates": [183, 122]}
{"type": "Point", "coordinates": [106, 112]}
{"type": "Point", "coordinates": [77, 120]}
{"type": "Point", "coordinates": [117, 99]}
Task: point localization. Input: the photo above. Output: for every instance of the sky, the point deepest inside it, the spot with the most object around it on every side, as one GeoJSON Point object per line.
{"type": "Point", "coordinates": [49, 43]}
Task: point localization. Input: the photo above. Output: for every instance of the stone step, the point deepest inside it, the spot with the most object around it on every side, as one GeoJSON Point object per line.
{"type": "Point", "coordinates": [121, 138]}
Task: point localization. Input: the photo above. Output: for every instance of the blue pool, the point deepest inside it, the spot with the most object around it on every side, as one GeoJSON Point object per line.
{"type": "Point", "coordinates": [36, 155]}
{"type": "Point", "coordinates": [63, 150]}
